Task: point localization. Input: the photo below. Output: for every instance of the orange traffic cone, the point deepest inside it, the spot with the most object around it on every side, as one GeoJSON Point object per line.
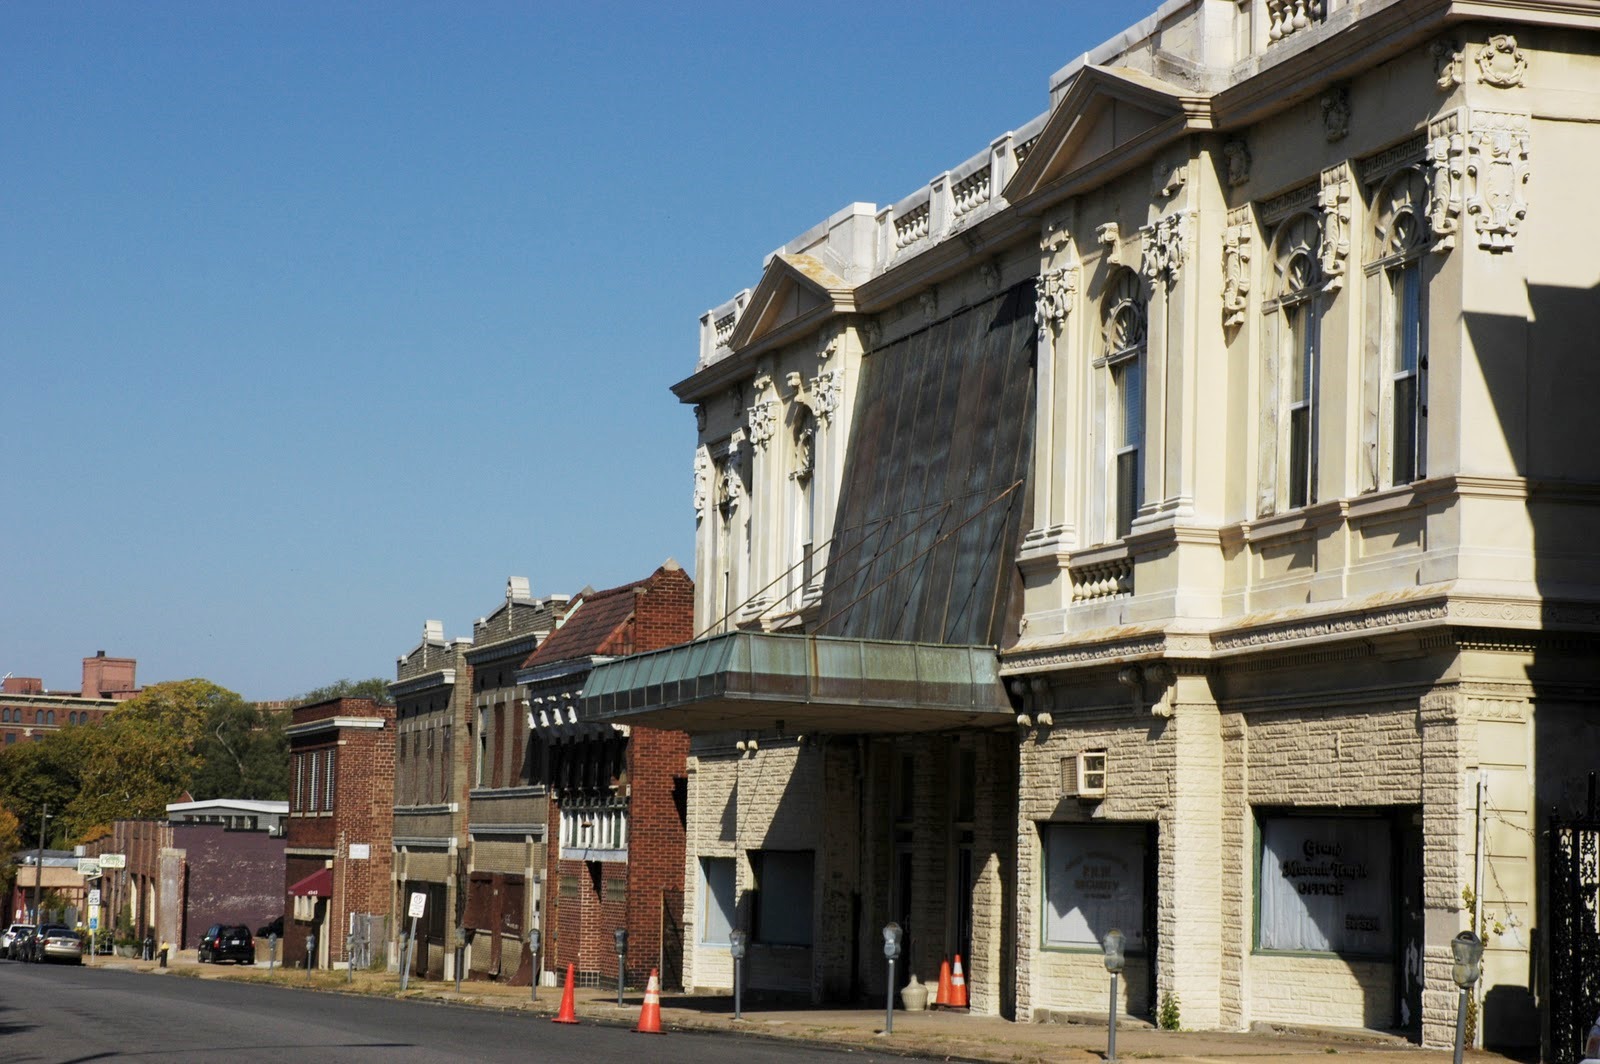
{"type": "Point", "coordinates": [942, 996]}
{"type": "Point", "coordinates": [650, 1014]}
{"type": "Point", "coordinates": [569, 1011]}
{"type": "Point", "coordinates": [958, 986]}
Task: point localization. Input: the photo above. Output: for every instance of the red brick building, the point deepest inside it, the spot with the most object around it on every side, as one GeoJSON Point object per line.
{"type": "Point", "coordinates": [340, 828]}
{"type": "Point", "coordinates": [28, 711]}
{"type": "Point", "coordinates": [616, 795]}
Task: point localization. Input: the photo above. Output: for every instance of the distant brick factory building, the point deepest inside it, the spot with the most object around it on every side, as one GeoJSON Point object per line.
{"type": "Point", "coordinates": [340, 829]}
{"type": "Point", "coordinates": [28, 711]}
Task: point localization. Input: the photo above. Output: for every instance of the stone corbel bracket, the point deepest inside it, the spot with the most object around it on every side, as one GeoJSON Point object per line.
{"type": "Point", "coordinates": [1447, 145]}
{"type": "Point", "coordinates": [1152, 685]}
{"type": "Point", "coordinates": [1497, 176]}
{"type": "Point", "coordinates": [1237, 237]}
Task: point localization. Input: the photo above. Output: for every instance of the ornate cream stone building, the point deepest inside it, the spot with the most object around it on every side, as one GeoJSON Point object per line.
{"type": "Point", "coordinates": [1242, 401]}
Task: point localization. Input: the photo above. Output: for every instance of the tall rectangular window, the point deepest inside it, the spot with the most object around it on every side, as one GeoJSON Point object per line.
{"type": "Point", "coordinates": [299, 783]}
{"type": "Point", "coordinates": [1302, 364]}
{"type": "Point", "coordinates": [328, 772]}
{"type": "Point", "coordinates": [1128, 379]}
{"type": "Point", "coordinates": [716, 899]}
{"type": "Point", "coordinates": [483, 746]}
{"type": "Point", "coordinates": [783, 897]}
{"type": "Point", "coordinates": [312, 807]}
{"type": "Point", "coordinates": [1406, 289]}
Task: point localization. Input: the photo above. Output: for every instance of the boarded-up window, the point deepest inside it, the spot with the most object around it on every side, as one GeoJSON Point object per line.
{"type": "Point", "coordinates": [480, 900]}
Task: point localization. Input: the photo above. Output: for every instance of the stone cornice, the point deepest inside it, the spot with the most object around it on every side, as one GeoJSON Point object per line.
{"type": "Point", "coordinates": [426, 682]}
{"type": "Point", "coordinates": [327, 724]}
{"type": "Point", "coordinates": [1474, 620]}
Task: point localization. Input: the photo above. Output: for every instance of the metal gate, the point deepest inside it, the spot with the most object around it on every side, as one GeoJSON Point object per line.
{"type": "Point", "coordinates": [1574, 929]}
{"type": "Point", "coordinates": [367, 932]}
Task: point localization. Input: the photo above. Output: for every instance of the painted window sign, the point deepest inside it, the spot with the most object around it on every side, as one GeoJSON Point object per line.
{"type": "Point", "coordinates": [1094, 881]}
{"type": "Point", "coordinates": [1326, 885]}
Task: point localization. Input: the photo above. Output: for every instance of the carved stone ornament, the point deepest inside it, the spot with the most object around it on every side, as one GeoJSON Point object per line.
{"type": "Point", "coordinates": [1448, 63]}
{"type": "Point", "coordinates": [1236, 241]}
{"type": "Point", "coordinates": [1166, 178]}
{"type": "Point", "coordinates": [702, 483]}
{"type": "Point", "coordinates": [700, 417]}
{"type": "Point", "coordinates": [929, 298]}
{"type": "Point", "coordinates": [1496, 176]}
{"type": "Point", "coordinates": [989, 273]}
{"type": "Point", "coordinates": [1500, 63]}
{"type": "Point", "coordinates": [763, 418]}
{"type": "Point", "coordinates": [1056, 290]}
{"type": "Point", "coordinates": [761, 382]}
{"type": "Point", "coordinates": [1236, 154]}
{"type": "Point", "coordinates": [1053, 238]}
{"type": "Point", "coordinates": [872, 332]}
{"type": "Point", "coordinates": [825, 395]}
{"type": "Point", "coordinates": [1110, 237]}
{"type": "Point", "coordinates": [1333, 201]}
{"type": "Point", "coordinates": [1336, 113]}
{"type": "Point", "coordinates": [830, 346]}
{"type": "Point", "coordinates": [1447, 146]}
{"type": "Point", "coordinates": [1163, 248]}
{"type": "Point", "coordinates": [795, 383]}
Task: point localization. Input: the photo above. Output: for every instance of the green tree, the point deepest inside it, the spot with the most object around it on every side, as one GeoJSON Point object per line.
{"type": "Point", "coordinates": [375, 688]}
{"type": "Point", "coordinates": [244, 753]}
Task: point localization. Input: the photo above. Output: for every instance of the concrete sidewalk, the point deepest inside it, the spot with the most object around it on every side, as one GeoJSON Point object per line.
{"type": "Point", "coordinates": [940, 1034]}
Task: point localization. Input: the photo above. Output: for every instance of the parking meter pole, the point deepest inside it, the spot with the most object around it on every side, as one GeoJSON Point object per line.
{"type": "Point", "coordinates": [350, 958]}
{"type": "Point", "coordinates": [888, 1002]}
{"type": "Point", "coordinates": [272, 951]}
{"type": "Point", "coordinates": [738, 987]}
{"type": "Point", "coordinates": [534, 943]}
{"type": "Point", "coordinates": [411, 946]}
{"type": "Point", "coordinates": [1111, 1028]}
{"type": "Point", "coordinates": [311, 951]}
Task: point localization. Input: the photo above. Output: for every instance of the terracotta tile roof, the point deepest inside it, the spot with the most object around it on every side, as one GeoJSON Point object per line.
{"type": "Point", "coordinates": [597, 624]}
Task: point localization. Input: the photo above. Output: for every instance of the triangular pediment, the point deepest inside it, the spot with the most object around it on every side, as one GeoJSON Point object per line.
{"type": "Point", "coordinates": [1109, 119]}
{"type": "Point", "coordinates": [794, 289]}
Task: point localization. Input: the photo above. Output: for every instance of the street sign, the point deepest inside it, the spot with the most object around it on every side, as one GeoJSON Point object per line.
{"type": "Point", "coordinates": [113, 860]}
{"type": "Point", "coordinates": [94, 899]}
{"type": "Point", "coordinates": [94, 923]}
{"type": "Point", "coordinates": [419, 901]}
{"type": "Point", "coordinates": [360, 851]}
{"type": "Point", "coordinates": [88, 867]}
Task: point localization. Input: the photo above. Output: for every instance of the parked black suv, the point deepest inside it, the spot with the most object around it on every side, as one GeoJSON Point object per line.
{"type": "Point", "coordinates": [227, 942]}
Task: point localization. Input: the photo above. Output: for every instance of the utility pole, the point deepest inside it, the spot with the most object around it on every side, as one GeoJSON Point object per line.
{"type": "Point", "coordinates": [38, 864]}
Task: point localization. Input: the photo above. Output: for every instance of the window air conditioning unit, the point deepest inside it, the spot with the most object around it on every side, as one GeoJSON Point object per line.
{"type": "Point", "coordinates": [1091, 774]}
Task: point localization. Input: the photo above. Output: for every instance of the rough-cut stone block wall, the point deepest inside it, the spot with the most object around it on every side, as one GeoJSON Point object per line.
{"type": "Point", "coordinates": [1325, 991]}
{"type": "Point", "coordinates": [991, 978]}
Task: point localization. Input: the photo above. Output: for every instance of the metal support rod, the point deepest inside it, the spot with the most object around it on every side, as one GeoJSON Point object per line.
{"type": "Point", "coordinates": [621, 971]}
{"type": "Point", "coordinates": [1461, 1025]}
{"type": "Point", "coordinates": [1111, 1027]}
{"type": "Point", "coordinates": [460, 954]}
{"type": "Point", "coordinates": [534, 982]}
{"type": "Point", "coordinates": [350, 958]}
{"type": "Point", "coordinates": [38, 866]}
{"type": "Point", "coordinates": [738, 987]}
{"type": "Point", "coordinates": [888, 1002]}
{"type": "Point", "coordinates": [407, 953]}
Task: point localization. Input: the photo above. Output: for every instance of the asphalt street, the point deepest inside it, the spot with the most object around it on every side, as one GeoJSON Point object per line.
{"type": "Point", "coordinates": [63, 1015]}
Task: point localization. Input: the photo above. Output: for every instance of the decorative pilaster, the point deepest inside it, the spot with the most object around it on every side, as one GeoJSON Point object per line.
{"type": "Point", "coordinates": [1238, 235]}
{"type": "Point", "coordinates": [1333, 202]}
{"type": "Point", "coordinates": [1447, 144]}
{"type": "Point", "coordinates": [1443, 846]}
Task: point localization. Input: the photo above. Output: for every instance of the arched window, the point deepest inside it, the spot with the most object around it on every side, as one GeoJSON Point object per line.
{"type": "Point", "coordinates": [50, 716]}
{"type": "Point", "coordinates": [1294, 359]}
{"type": "Point", "coordinates": [1123, 324]}
{"type": "Point", "coordinates": [1397, 407]}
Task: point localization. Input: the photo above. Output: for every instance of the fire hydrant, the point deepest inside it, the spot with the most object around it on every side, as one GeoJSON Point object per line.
{"type": "Point", "coordinates": [166, 947]}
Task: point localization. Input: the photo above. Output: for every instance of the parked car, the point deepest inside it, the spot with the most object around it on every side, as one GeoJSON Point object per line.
{"type": "Point", "coordinates": [60, 944]}
{"type": "Point", "coordinates": [1591, 1045]}
{"type": "Point", "coordinates": [11, 935]}
{"type": "Point", "coordinates": [34, 947]}
{"type": "Point", "coordinates": [21, 947]}
{"type": "Point", "coordinates": [227, 942]}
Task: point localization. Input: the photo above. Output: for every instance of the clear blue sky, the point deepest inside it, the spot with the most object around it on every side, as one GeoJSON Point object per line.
{"type": "Point", "coordinates": [318, 320]}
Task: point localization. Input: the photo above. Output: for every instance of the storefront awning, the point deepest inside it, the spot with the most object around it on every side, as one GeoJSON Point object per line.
{"type": "Point", "coordinates": [801, 684]}
{"type": "Point", "coordinates": [318, 884]}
